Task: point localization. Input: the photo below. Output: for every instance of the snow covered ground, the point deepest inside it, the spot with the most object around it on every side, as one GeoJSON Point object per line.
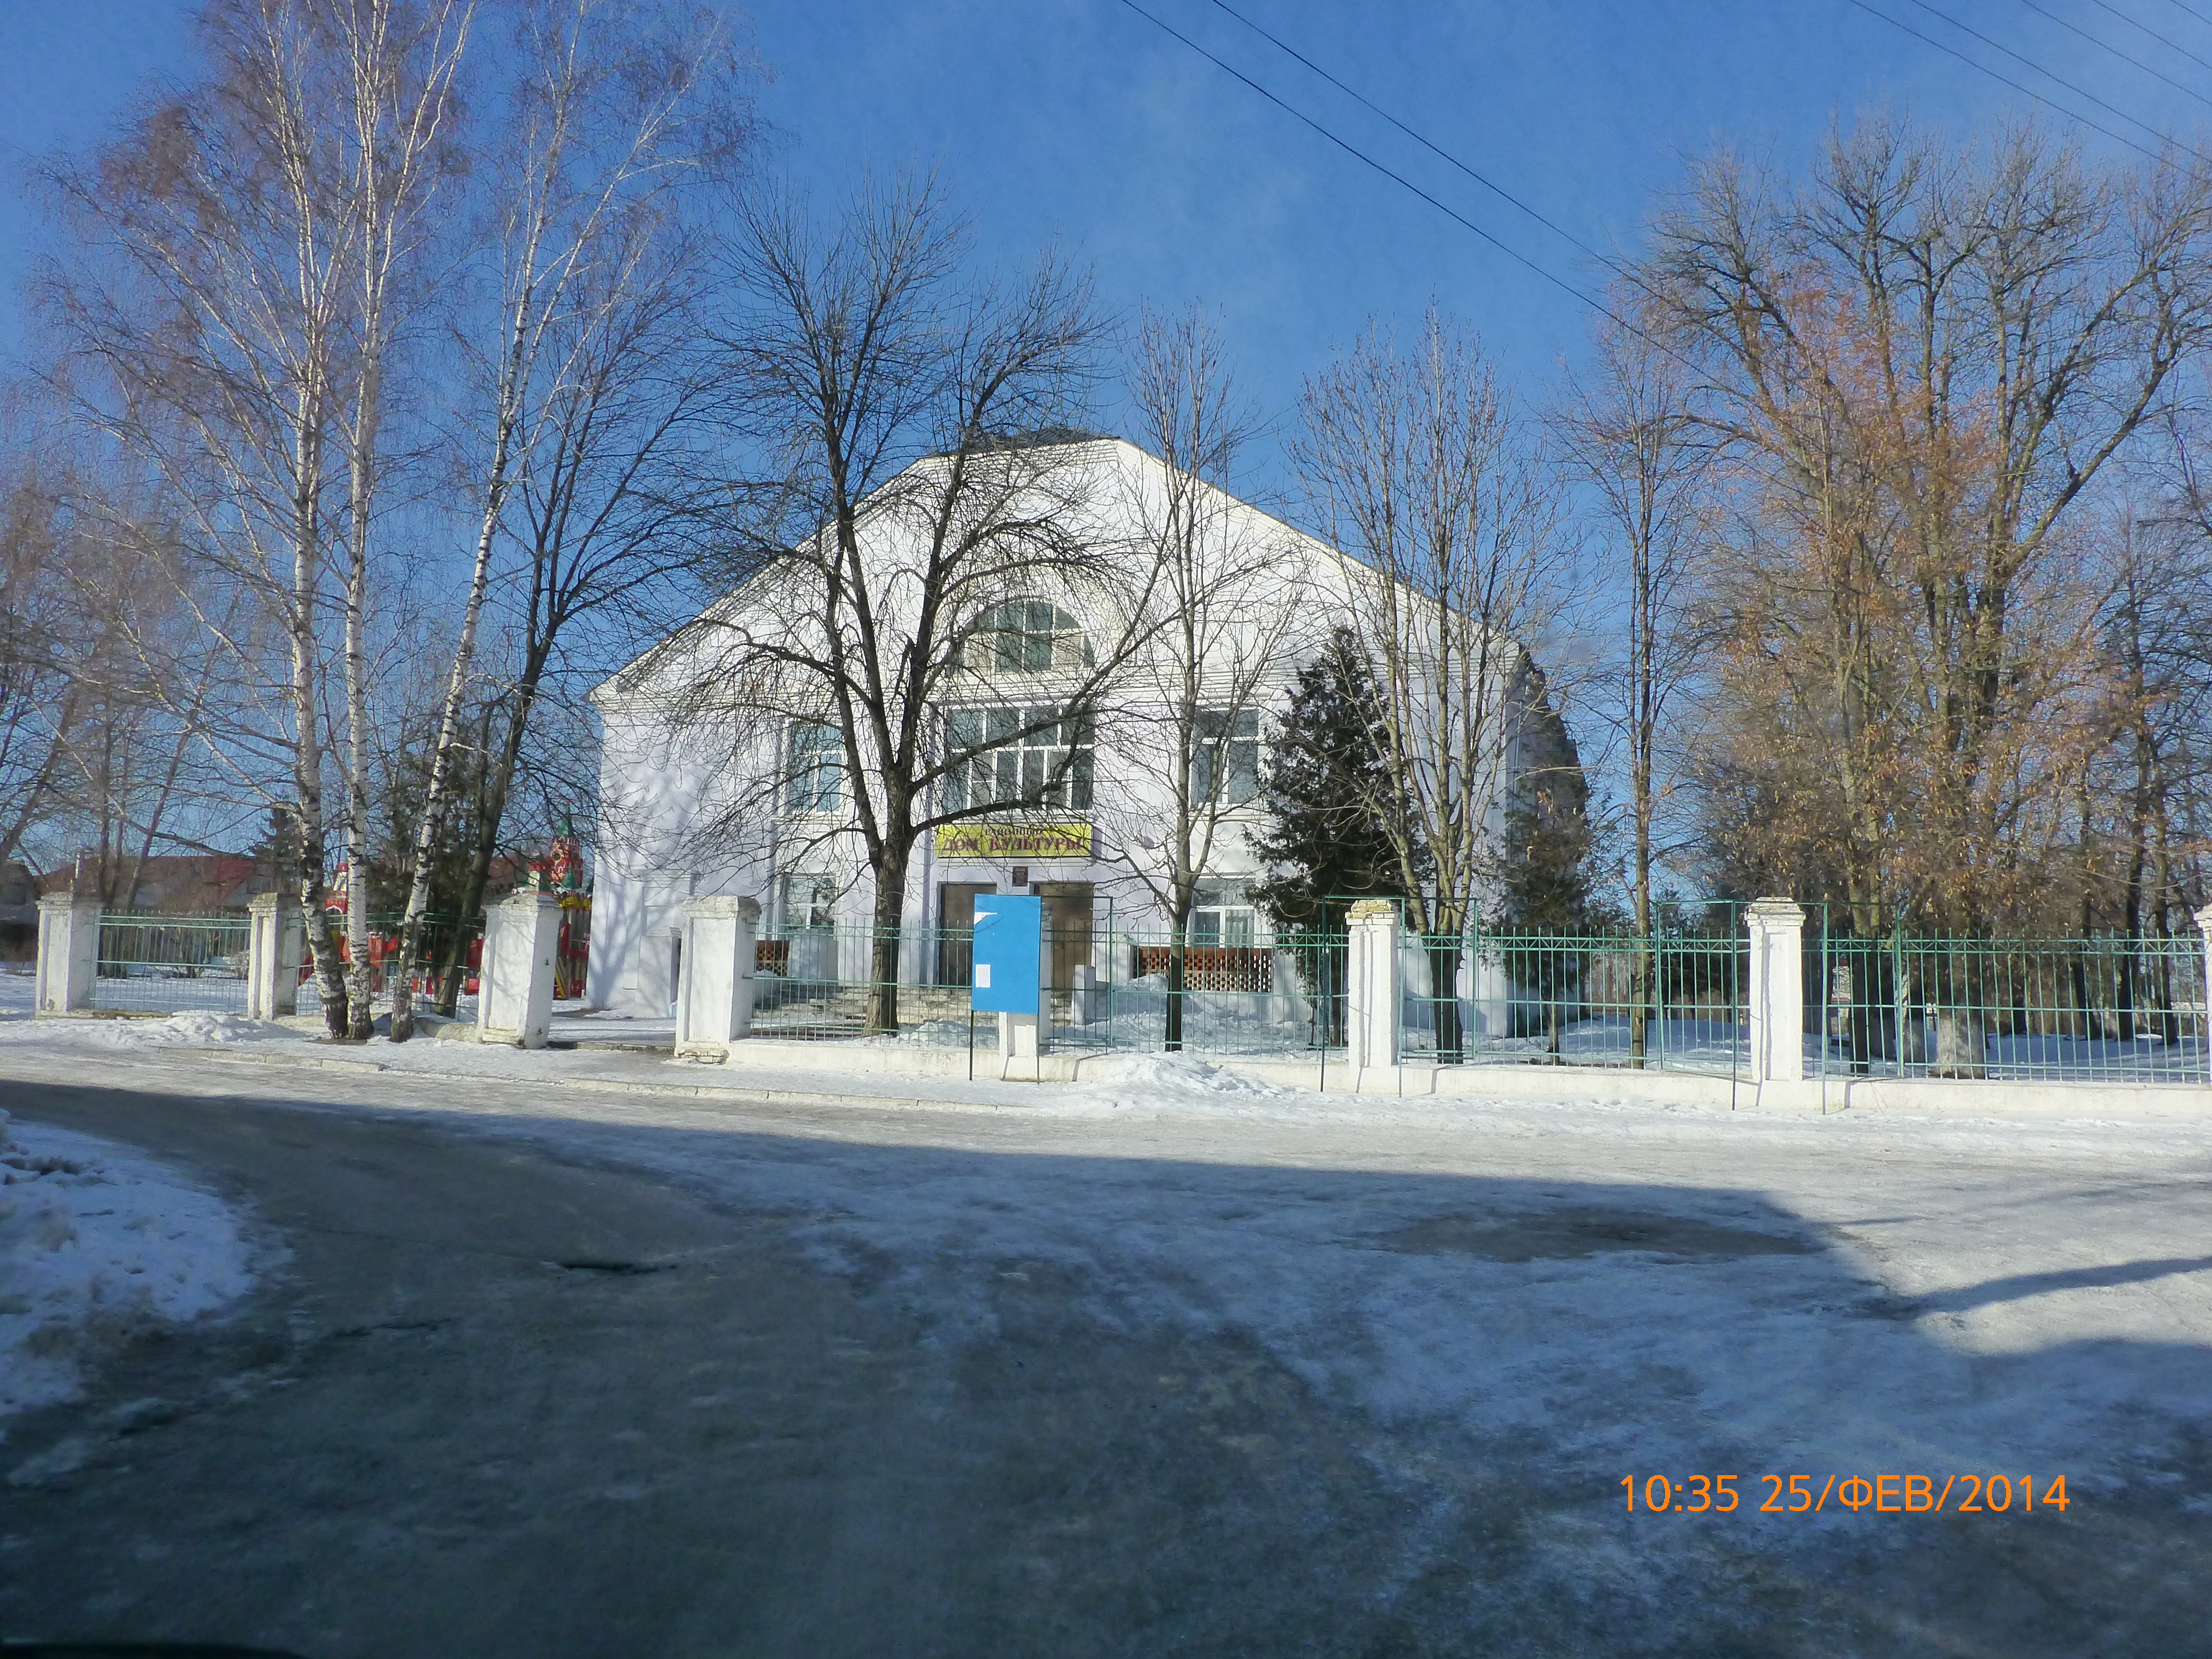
{"type": "Point", "coordinates": [97, 1240]}
{"type": "Point", "coordinates": [1527, 1301]}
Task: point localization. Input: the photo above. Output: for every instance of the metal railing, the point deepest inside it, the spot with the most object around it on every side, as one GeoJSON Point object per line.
{"type": "Point", "coordinates": [1104, 990]}
{"type": "Point", "coordinates": [823, 982]}
{"type": "Point", "coordinates": [437, 937]}
{"type": "Point", "coordinates": [161, 964]}
{"type": "Point", "coordinates": [2098, 1008]}
{"type": "Point", "coordinates": [1672, 1001]}
{"type": "Point", "coordinates": [1280, 997]}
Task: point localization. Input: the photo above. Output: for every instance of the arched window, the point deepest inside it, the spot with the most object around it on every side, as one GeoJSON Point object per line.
{"type": "Point", "coordinates": [1029, 637]}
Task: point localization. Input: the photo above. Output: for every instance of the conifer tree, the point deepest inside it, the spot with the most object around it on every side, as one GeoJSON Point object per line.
{"type": "Point", "coordinates": [1324, 845]}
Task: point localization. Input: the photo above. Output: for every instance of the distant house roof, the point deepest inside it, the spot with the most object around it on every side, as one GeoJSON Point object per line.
{"type": "Point", "coordinates": [178, 883]}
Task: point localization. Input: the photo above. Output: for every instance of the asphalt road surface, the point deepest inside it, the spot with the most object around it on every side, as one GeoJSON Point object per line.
{"type": "Point", "coordinates": [497, 1396]}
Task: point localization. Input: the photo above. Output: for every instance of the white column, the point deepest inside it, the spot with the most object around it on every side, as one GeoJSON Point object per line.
{"type": "Point", "coordinates": [1374, 989]}
{"type": "Point", "coordinates": [514, 988]}
{"type": "Point", "coordinates": [1777, 926]}
{"type": "Point", "coordinates": [1022, 1037]}
{"type": "Point", "coordinates": [275, 943]}
{"type": "Point", "coordinates": [69, 953]}
{"type": "Point", "coordinates": [715, 992]}
{"type": "Point", "coordinates": [2204, 927]}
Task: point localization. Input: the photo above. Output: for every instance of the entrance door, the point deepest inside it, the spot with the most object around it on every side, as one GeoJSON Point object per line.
{"type": "Point", "coordinates": [956, 922]}
{"type": "Point", "coordinates": [1067, 927]}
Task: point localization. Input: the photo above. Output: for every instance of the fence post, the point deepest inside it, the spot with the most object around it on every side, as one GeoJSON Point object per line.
{"type": "Point", "coordinates": [1373, 993]}
{"type": "Point", "coordinates": [273, 945]}
{"type": "Point", "coordinates": [69, 953]}
{"type": "Point", "coordinates": [515, 986]}
{"type": "Point", "coordinates": [1777, 990]}
{"type": "Point", "coordinates": [2204, 927]}
{"type": "Point", "coordinates": [714, 988]}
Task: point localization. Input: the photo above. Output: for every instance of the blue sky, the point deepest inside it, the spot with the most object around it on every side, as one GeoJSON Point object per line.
{"type": "Point", "coordinates": [1079, 122]}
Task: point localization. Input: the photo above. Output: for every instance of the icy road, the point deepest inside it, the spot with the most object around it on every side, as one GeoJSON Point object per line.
{"type": "Point", "coordinates": [534, 1369]}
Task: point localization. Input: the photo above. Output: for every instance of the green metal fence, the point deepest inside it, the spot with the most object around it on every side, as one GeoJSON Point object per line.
{"type": "Point", "coordinates": [1105, 989]}
{"type": "Point", "coordinates": [1673, 1001]}
{"type": "Point", "coordinates": [1282, 997]}
{"type": "Point", "coordinates": [823, 982]}
{"type": "Point", "coordinates": [2097, 1008]}
{"type": "Point", "coordinates": [159, 964]}
{"type": "Point", "coordinates": [439, 935]}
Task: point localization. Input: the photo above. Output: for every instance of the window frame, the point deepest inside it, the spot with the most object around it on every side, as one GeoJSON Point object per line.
{"type": "Point", "coordinates": [1048, 638]}
{"type": "Point", "coordinates": [1010, 766]}
{"type": "Point", "coordinates": [813, 774]}
{"type": "Point", "coordinates": [1221, 734]}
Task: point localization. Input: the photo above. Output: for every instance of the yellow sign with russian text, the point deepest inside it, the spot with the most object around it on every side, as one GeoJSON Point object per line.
{"type": "Point", "coordinates": [1013, 840]}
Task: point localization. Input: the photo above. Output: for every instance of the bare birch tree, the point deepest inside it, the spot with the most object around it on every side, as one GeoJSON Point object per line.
{"type": "Point", "coordinates": [619, 111]}
{"type": "Point", "coordinates": [400, 59]}
{"type": "Point", "coordinates": [207, 328]}
{"type": "Point", "coordinates": [1424, 474]}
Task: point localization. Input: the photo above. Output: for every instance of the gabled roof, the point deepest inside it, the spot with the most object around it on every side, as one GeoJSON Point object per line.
{"type": "Point", "coordinates": [1127, 456]}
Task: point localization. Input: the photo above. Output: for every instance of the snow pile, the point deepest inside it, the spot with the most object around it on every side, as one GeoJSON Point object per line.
{"type": "Point", "coordinates": [1155, 1081]}
{"type": "Point", "coordinates": [198, 1027]}
{"type": "Point", "coordinates": [94, 1242]}
{"type": "Point", "coordinates": [18, 992]}
{"type": "Point", "coordinates": [202, 1027]}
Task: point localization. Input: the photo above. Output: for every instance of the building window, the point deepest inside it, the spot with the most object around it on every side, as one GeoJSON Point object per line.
{"type": "Point", "coordinates": [1029, 637]}
{"type": "Point", "coordinates": [809, 902]}
{"type": "Point", "coordinates": [813, 768]}
{"type": "Point", "coordinates": [1221, 917]}
{"type": "Point", "coordinates": [1048, 766]}
{"type": "Point", "coordinates": [1226, 755]}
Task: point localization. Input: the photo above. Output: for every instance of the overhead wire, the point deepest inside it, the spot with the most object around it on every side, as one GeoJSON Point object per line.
{"type": "Point", "coordinates": [1559, 283]}
{"type": "Point", "coordinates": [1400, 179]}
{"type": "Point", "coordinates": [2168, 41]}
{"type": "Point", "coordinates": [2021, 57]}
{"type": "Point", "coordinates": [2030, 92]}
{"type": "Point", "coordinates": [1488, 184]}
{"type": "Point", "coordinates": [2125, 58]}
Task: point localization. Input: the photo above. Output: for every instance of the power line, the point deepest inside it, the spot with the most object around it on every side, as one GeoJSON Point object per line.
{"type": "Point", "coordinates": [2019, 58]}
{"type": "Point", "coordinates": [2191, 10]}
{"type": "Point", "coordinates": [2048, 103]}
{"type": "Point", "coordinates": [1489, 185]}
{"type": "Point", "coordinates": [2166, 41]}
{"type": "Point", "coordinates": [1518, 258]}
{"type": "Point", "coordinates": [2067, 23]}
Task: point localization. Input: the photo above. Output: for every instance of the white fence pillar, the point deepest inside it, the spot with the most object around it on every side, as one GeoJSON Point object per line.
{"type": "Point", "coordinates": [69, 953]}
{"type": "Point", "coordinates": [1777, 926]}
{"type": "Point", "coordinates": [515, 986]}
{"type": "Point", "coordinates": [2204, 927]}
{"type": "Point", "coordinates": [714, 990]}
{"type": "Point", "coordinates": [1373, 987]}
{"type": "Point", "coordinates": [274, 945]}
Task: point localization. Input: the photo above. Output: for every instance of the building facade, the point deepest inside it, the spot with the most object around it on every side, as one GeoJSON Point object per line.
{"type": "Point", "coordinates": [1096, 744]}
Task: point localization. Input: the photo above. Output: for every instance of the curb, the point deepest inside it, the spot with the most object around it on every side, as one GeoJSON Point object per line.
{"type": "Point", "coordinates": [731, 1093]}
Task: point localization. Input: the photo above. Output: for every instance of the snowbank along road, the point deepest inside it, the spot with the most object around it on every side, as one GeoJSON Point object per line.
{"type": "Point", "coordinates": [1190, 1369]}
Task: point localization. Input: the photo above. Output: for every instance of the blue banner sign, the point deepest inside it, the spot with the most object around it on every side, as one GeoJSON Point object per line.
{"type": "Point", "coordinates": [1009, 953]}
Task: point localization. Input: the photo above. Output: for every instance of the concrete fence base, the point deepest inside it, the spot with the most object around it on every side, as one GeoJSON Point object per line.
{"type": "Point", "coordinates": [514, 986]}
{"type": "Point", "coordinates": [715, 976]}
{"type": "Point", "coordinates": [69, 955]}
{"type": "Point", "coordinates": [1439, 1085]}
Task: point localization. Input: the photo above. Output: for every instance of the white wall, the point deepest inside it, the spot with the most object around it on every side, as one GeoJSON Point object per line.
{"type": "Point", "coordinates": [656, 788]}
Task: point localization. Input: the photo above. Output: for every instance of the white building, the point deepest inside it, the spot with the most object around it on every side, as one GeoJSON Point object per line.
{"type": "Point", "coordinates": [755, 800]}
